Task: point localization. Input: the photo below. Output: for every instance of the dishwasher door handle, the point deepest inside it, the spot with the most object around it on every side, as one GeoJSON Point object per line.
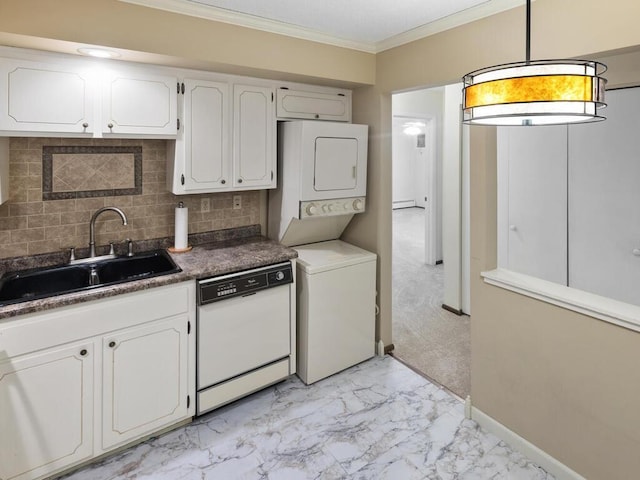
{"type": "Point", "coordinates": [249, 294]}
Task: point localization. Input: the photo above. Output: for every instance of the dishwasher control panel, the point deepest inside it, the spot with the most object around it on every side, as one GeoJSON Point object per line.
{"type": "Point", "coordinates": [243, 283]}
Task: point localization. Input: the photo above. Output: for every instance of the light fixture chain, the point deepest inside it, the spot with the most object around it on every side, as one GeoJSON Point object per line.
{"type": "Point", "coordinates": [528, 52]}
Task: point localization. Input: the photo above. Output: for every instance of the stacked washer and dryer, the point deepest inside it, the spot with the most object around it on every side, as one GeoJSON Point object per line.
{"type": "Point", "coordinates": [323, 171]}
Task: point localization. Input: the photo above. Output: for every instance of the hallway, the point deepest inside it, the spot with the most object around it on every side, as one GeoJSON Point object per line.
{"type": "Point", "coordinates": [426, 337]}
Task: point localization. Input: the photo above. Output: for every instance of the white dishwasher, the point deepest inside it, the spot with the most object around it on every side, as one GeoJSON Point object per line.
{"type": "Point", "coordinates": [244, 333]}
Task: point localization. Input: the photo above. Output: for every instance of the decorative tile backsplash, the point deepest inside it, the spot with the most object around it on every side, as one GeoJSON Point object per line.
{"type": "Point", "coordinates": [90, 171]}
{"type": "Point", "coordinates": [30, 225]}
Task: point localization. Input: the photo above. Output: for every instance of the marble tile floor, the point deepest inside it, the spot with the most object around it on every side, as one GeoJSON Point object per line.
{"type": "Point", "coordinates": [377, 420]}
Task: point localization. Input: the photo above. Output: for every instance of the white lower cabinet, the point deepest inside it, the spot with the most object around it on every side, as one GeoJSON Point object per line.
{"type": "Point", "coordinates": [82, 380]}
{"type": "Point", "coordinates": [46, 410]}
{"type": "Point", "coordinates": [144, 380]}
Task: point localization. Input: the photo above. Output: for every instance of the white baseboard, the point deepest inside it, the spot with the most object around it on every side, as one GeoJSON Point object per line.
{"type": "Point", "coordinates": [515, 441]}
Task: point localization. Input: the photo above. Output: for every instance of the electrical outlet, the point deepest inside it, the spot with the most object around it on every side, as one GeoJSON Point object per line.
{"type": "Point", "coordinates": [205, 205]}
{"type": "Point", "coordinates": [237, 202]}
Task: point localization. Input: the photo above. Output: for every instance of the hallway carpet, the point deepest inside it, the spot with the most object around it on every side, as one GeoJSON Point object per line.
{"type": "Point", "coordinates": [426, 337]}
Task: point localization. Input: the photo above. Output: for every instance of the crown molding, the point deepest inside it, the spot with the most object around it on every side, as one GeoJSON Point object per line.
{"type": "Point", "coordinates": [491, 7]}
{"type": "Point", "coordinates": [184, 7]}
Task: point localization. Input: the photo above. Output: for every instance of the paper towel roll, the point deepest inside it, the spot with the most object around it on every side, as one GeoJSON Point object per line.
{"type": "Point", "coordinates": [182, 226]}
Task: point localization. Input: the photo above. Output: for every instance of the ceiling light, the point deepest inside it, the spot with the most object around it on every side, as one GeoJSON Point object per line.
{"type": "Point", "coordinates": [412, 130]}
{"type": "Point", "coordinates": [98, 52]}
{"type": "Point", "coordinates": [540, 92]}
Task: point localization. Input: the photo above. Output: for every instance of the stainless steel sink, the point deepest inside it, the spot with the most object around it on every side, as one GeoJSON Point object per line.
{"type": "Point", "coordinates": [25, 285]}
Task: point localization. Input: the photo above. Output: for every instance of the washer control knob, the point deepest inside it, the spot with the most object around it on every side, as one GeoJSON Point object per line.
{"type": "Point", "coordinates": [357, 204]}
{"type": "Point", "coordinates": [312, 209]}
{"type": "Point", "coordinates": [279, 276]}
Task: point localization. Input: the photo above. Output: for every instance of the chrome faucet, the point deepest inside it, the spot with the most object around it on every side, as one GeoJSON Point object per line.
{"type": "Point", "coordinates": [92, 227]}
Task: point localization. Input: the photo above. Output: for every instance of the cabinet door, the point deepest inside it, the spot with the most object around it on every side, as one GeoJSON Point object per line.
{"type": "Point", "coordinates": [45, 98]}
{"type": "Point", "coordinates": [604, 219]}
{"type": "Point", "coordinates": [254, 133]}
{"type": "Point", "coordinates": [532, 223]}
{"type": "Point", "coordinates": [140, 104]}
{"type": "Point", "coordinates": [46, 411]}
{"type": "Point", "coordinates": [313, 105]}
{"type": "Point", "coordinates": [207, 124]}
{"type": "Point", "coordinates": [144, 380]}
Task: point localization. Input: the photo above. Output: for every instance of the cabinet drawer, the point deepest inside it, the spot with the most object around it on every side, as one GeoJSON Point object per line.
{"type": "Point", "coordinates": [36, 331]}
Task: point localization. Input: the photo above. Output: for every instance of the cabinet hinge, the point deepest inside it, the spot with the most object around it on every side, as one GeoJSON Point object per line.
{"type": "Point", "coordinates": [271, 175]}
{"type": "Point", "coordinates": [178, 122]}
{"type": "Point", "coordinates": [188, 328]}
{"type": "Point", "coordinates": [341, 94]}
{"type": "Point", "coordinates": [182, 179]}
{"type": "Point", "coordinates": [271, 97]}
{"type": "Point", "coordinates": [188, 400]}
{"type": "Point", "coordinates": [182, 88]}
{"type": "Point", "coordinates": [284, 88]}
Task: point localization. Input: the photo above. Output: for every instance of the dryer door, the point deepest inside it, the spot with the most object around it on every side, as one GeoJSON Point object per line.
{"type": "Point", "coordinates": [335, 164]}
{"type": "Point", "coordinates": [334, 160]}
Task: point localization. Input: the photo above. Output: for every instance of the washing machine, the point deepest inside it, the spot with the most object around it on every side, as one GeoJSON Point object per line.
{"type": "Point", "coordinates": [336, 290]}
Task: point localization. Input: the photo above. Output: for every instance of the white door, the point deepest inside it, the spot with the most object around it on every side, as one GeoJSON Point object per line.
{"type": "Point", "coordinates": [604, 200]}
{"type": "Point", "coordinates": [46, 411]}
{"type": "Point", "coordinates": [533, 222]}
{"type": "Point", "coordinates": [144, 379]}
{"type": "Point", "coordinates": [140, 104]}
{"type": "Point", "coordinates": [45, 98]}
{"type": "Point", "coordinates": [335, 164]}
{"type": "Point", "coordinates": [333, 160]}
{"type": "Point", "coordinates": [254, 137]}
{"type": "Point", "coordinates": [206, 129]}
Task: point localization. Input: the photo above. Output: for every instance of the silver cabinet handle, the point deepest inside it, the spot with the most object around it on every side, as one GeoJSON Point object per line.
{"type": "Point", "coordinates": [85, 124]}
{"type": "Point", "coordinates": [110, 126]}
{"type": "Point", "coordinates": [513, 228]}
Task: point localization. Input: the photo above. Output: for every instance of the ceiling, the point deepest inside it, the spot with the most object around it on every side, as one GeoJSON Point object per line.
{"type": "Point", "coordinates": [367, 25]}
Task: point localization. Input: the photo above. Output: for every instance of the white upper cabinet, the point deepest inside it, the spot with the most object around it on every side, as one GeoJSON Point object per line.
{"type": "Point", "coordinates": [227, 143]}
{"type": "Point", "coordinates": [138, 104]}
{"type": "Point", "coordinates": [45, 98]}
{"type": "Point", "coordinates": [254, 137]}
{"type": "Point", "coordinates": [202, 152]}
{"type": "Point", "coordinates": [314, 104]}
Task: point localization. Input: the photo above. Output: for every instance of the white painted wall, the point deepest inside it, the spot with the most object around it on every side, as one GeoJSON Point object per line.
{"type": "Point", "coordinates": [452, 196]}
{"type": "Point", "coordinates": [429, 104]}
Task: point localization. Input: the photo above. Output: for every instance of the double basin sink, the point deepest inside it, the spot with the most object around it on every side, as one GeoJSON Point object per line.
{"type": "Point", "coordinates": [25, 285]}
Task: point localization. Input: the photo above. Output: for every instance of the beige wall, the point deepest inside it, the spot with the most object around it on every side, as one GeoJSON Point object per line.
{"type": "Point", "coordinates": [29, 225]}
{"type": "Point", "coordinates": [179, 40]}
{"type": "Point", "coordinates": [566, 382]}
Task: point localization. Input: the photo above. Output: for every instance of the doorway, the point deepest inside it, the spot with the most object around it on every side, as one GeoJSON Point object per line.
{"type": "Point", "coordinates": [427, 173]}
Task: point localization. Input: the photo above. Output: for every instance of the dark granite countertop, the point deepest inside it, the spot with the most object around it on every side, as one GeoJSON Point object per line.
{"type": "Point", "coordinates": [214, 253]}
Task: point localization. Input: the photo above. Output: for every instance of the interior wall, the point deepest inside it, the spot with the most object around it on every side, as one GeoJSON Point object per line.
{"type": "Point", "coordinates": [178, 40]}
{"type": "Point", "coordinates": [427, 102]}
{"type": "Point", "coordinates": [561, 380]}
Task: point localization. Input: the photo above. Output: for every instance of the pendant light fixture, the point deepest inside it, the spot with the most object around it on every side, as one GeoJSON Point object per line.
{"type": "Point", "coordinates": [539, 92]}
